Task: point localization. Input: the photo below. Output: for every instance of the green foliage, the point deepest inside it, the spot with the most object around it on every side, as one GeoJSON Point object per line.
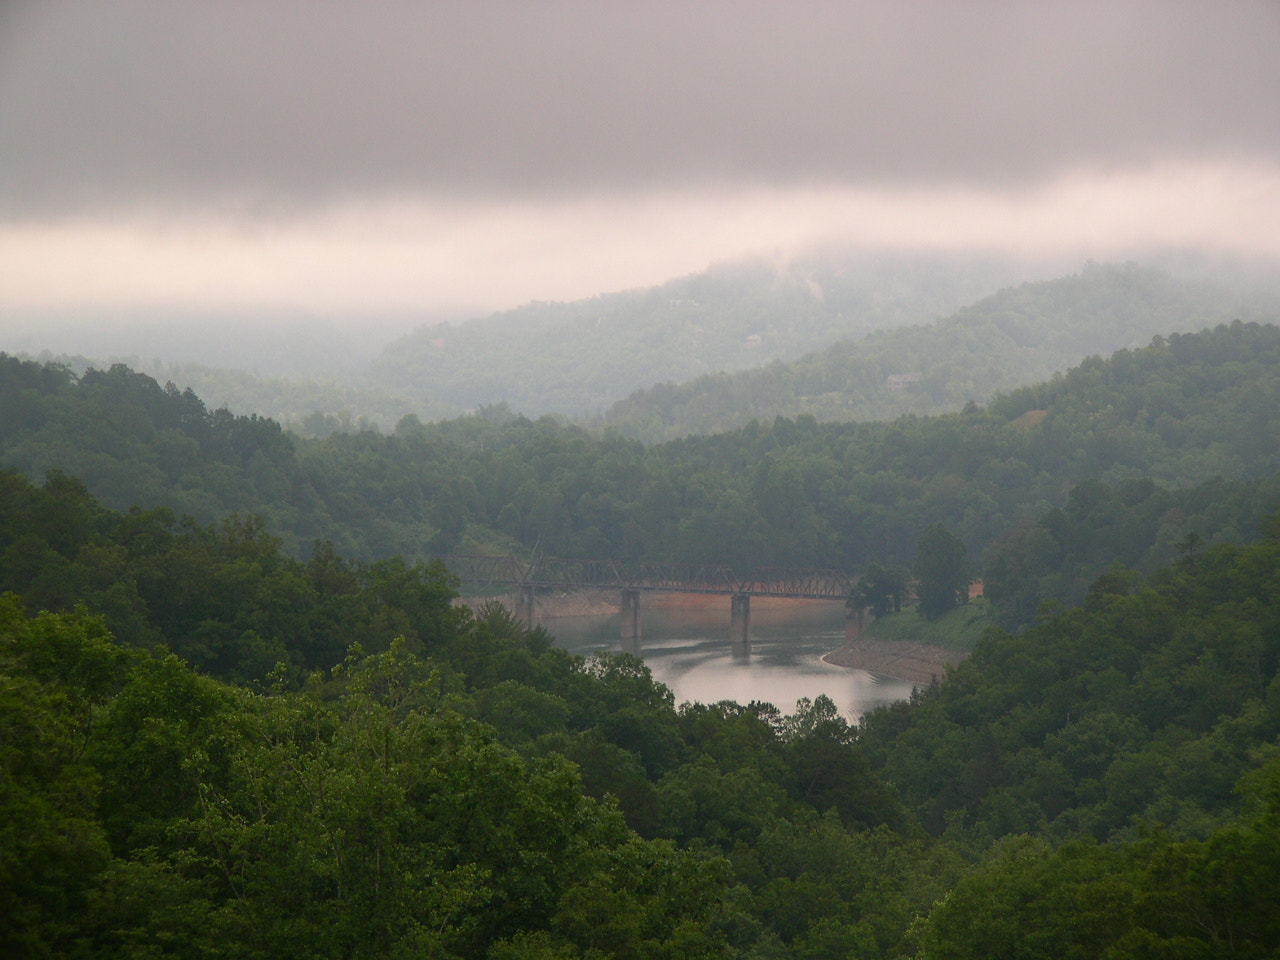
{"type": "Point", "coordinates": [53, 673]}
{"type": "Point", "coordinates": [1210, 898]}
{"type": "Point", "coordinates": [1132, 522]}
{"type": "Point", "coordinates": [959, 630]}
{"type": "Point", "coordinates": [880, 590]}
{"type": "Point", "coordinates": [224, 597]}
{"type": "Point", "coordinates": [1148, 703]}
{"type": "Point", "coordinates": [942, 576]}
{"type": "Point", "coordinates": [361, 816]}
{"type": "Point", "coordinates": [789, 493]}
{"type": "Point", "coordinates": [309, 406]}
{"type": "Point", "coordinates": [499, 797]}
{"type": "Point", "coordinates": [1030, 900]}
{"type": "Point", "coordinates": [828, 768]}
{"type": "Point", "coordinates": [1015, 337]}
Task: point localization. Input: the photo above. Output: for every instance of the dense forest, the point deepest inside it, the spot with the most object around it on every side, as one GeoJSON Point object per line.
{"type": "Point", "coordinates": [1011, 339]}
{"type": "Point", "coordinates": [1188, 410]}
{"type": "Point", "coordinates": [358, 767]}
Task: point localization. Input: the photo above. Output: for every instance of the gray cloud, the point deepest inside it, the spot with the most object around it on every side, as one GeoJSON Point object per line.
{"type": "Point", "coordinates": [106, 104]}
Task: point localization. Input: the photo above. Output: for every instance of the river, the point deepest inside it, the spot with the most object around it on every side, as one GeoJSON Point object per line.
{"type": "Point", "coordinates": [690, 652]}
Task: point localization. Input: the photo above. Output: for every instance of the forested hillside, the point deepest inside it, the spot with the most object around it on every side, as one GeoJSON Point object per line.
{"type": "Point", "coordinates": [577, 358]}
{"type": "Point", "coordinates": [1180, 412]}
{"type": "Point", "coordinates": [309, 406]}
{"type": "Point", "coordinates": [306, 404]}
{"type": "Point", "coordinates": [1132, 523]}
{"type": "Point", "coordinates": [1016, 337]}
{"type": "Point", "coordinates": [467, 790]}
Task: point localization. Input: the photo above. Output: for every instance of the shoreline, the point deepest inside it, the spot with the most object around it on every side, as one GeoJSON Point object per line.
{"type": "Point", "coordinates": [907, 660]}
{"type": "Point", "coordinates": [917, 663]}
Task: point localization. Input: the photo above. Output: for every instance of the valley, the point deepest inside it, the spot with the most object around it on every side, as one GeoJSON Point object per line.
{"type": "Point", "coordinates": [186, 581]}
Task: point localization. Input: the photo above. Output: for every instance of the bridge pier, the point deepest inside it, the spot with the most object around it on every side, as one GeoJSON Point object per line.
{"type": "Point", "coordinates": [852, 623]}
{"type": "Point", "coordinates": [740, 619]}
{"type": "Point", "coordinates": [524, 604]}
{"type": "Point", "coordinates": [630, 614]}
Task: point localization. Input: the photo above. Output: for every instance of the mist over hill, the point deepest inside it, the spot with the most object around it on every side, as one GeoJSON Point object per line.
{"type": "Point", "coordinates": [577, 358]}
{"type": "Point", "coordinates": [1014, 337]}
{"type": "Point", "coordinates": [324, 374]}
{"type": "Point", "coordinates": [841, 336]}
{"type": "Point", "coordinates": [270, 344]}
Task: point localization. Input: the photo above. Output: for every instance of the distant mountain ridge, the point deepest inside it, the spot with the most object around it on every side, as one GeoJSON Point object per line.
{"type": "Point", "coordinates": [839, 338]}
{"type": "Point", "coordinates": [572, 358]}
{"type": "Point", "coordinates": [1012, 338]}
{"type": "Point", "coordinates": [578, 358]}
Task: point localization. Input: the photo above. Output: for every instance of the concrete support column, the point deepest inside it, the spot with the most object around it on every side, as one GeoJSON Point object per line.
{"type": "Point", "coordinates": [524, 604]}
{"type": "Point", "coordinates": [853, 623]}
{"type": "Point", "coordinates": [740, 621]}
{"type": "Point", "coordinates": [630, 614]}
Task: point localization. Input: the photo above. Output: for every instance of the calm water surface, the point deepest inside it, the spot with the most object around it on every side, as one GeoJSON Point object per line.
{"type": "Point", "coordinates": [690, 652]}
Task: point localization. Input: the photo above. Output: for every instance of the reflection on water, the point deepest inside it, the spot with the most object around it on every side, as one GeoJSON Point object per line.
{"type": "Point", "coordinates": [690, 652]}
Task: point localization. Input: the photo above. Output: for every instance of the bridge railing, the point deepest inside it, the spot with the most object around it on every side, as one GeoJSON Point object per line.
{"type": "Point", "coordinates": [489, 570]}
{"type": "Point", "coordinates": [672, 577]}
{"type": "Point", "coordinates": [686, 578]}
{"type": "Point", "coordinates": [793, 582]}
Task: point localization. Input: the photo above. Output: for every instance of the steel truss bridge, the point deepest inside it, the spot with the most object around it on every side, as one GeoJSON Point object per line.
{"type": "Point", "coordinates": [670, 577]}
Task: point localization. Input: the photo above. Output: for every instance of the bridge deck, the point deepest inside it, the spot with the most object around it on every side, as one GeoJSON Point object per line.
{"type": "Point", "coordinates": [670, 577]}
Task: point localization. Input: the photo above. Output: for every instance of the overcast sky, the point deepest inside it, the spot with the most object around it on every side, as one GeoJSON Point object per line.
{"type": "Point", "coordinates": [348, 158]}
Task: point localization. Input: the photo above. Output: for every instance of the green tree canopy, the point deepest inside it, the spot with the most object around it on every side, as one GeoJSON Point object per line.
{"type": "Point", "coordinates": [880, 589]}
{"type": "Point", "coordinates": [942, 576]}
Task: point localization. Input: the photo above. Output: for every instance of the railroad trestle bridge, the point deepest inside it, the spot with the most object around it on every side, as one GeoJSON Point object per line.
{"type": "Point", "coordinates": [632, 579]}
